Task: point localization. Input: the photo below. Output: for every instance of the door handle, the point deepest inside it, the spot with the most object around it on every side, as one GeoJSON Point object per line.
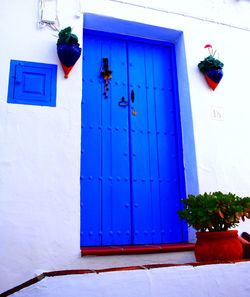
{"type": "Point", "coordinates": [132, 96]}
{"type": "Point", "coordinates": [123, 102]}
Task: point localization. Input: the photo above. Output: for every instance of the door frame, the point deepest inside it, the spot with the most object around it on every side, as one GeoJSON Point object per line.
{"type": "Point", "coordinates": [131, 31]}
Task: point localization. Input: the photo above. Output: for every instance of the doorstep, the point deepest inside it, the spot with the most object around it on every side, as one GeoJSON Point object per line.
{"type": "Point", "coordinates": [137, 249]}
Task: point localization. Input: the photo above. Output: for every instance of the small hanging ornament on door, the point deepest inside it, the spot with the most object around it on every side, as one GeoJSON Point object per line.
{"type": "Point", "coordinates": [106, 74]}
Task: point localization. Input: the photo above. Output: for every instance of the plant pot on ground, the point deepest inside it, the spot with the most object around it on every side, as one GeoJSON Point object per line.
{"type": "Point", "coordinates": [212, 215]}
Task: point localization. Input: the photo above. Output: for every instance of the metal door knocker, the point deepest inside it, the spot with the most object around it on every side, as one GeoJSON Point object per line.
{"type": "Point", "coordinates": [106, 74]}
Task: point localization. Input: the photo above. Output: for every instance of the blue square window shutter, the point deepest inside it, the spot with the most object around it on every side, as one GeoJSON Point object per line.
{"type": "Point", "coordinates": [32, 83]}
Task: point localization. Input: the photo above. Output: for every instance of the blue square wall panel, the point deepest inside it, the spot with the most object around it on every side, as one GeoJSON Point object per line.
{"type": "Point", "coordinates": [32, 83]}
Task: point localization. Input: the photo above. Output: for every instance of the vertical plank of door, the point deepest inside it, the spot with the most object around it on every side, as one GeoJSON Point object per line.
{"type": "Point", "coordinates": [91, 144]}
{"type": "Point", "coordinates": [140, 164]}
{"type": "Point", "coordinates": [179, 142]}
{"type": "Point", "coordinates": [167, 145]}
{"type": "Point", "coordinates": [116, 214]}
{"type": "Point", "coordinates": [153, 146]}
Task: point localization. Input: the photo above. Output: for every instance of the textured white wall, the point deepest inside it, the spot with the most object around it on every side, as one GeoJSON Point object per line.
{"type": "Point", "coordinates": [39, 153]}
{"type": "Point", "coordinates": [40, 146]}
{"type": "Point", "coordinates": [207, 281]}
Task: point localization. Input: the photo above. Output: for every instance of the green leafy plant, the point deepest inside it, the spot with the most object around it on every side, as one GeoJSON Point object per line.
{"type": "Point", "coordinates": [65, 36]}
{"type": "Point", "coordinates": [210, 63]}
{"type": "Point", "coordinates": [214, 211]}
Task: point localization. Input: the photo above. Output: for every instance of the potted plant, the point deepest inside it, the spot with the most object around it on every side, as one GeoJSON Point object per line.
{"type": "Point", "coordinates": [212, 215]}
{"type": "Point", "coordinates": [211, 68]}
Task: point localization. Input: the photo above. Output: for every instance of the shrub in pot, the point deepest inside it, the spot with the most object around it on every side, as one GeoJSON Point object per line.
{"type": "Point", "coordinates": [212, 215]}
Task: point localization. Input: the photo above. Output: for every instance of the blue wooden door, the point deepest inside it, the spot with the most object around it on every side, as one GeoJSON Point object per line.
{"type": "Point", "coordinates": [130, 179]}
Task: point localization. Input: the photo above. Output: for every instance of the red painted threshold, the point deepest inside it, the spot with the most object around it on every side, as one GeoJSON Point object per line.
{"type": "Point", "coordinates": [136, 249]}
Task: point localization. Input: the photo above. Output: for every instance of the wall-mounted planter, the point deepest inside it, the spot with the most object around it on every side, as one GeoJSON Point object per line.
{"type": "Point", "coordinates": [68, 50]}
{"type": "Point", "coordinates": [211, 68]}
{"type": "Point", "coordinates": [213, 77]}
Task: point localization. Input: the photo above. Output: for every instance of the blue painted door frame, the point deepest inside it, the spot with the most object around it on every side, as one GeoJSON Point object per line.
{"type": "Point", "coordinates": [131, 156]}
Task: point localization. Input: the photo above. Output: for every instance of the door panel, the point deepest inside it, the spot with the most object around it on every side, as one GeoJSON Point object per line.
{"type": "Point", "coordinates": [106, 218]}
{"type": "Point", "coordinates": [155, 184]}
{"type": "Point", "coordinates": [91, 186]}
{"type": "Point", "coordinates": [116, 215]}
{"type": "Point", "coordinates": [140, 154]}
{"type": "Point", "coordinates": [166, 144]}
{"type": "Point", "coordinates": [153, 147]}
{"type": "Point", "coordinates": [129, 165]}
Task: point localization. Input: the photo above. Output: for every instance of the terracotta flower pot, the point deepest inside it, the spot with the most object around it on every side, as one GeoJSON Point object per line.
{"type": "Point", "coordinates": [212, 246]}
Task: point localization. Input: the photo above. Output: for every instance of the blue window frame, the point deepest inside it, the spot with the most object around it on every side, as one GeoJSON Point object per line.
{"type": "Point", "coordinates": [32, 83]}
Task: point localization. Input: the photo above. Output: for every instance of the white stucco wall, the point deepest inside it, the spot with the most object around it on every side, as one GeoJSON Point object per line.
{"type": "Point", "coordinates": [40, 146]}
{"type": "Point", "coordinates": [40, 153]}
{"type": "Point", "coordinates": [207, 281]}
